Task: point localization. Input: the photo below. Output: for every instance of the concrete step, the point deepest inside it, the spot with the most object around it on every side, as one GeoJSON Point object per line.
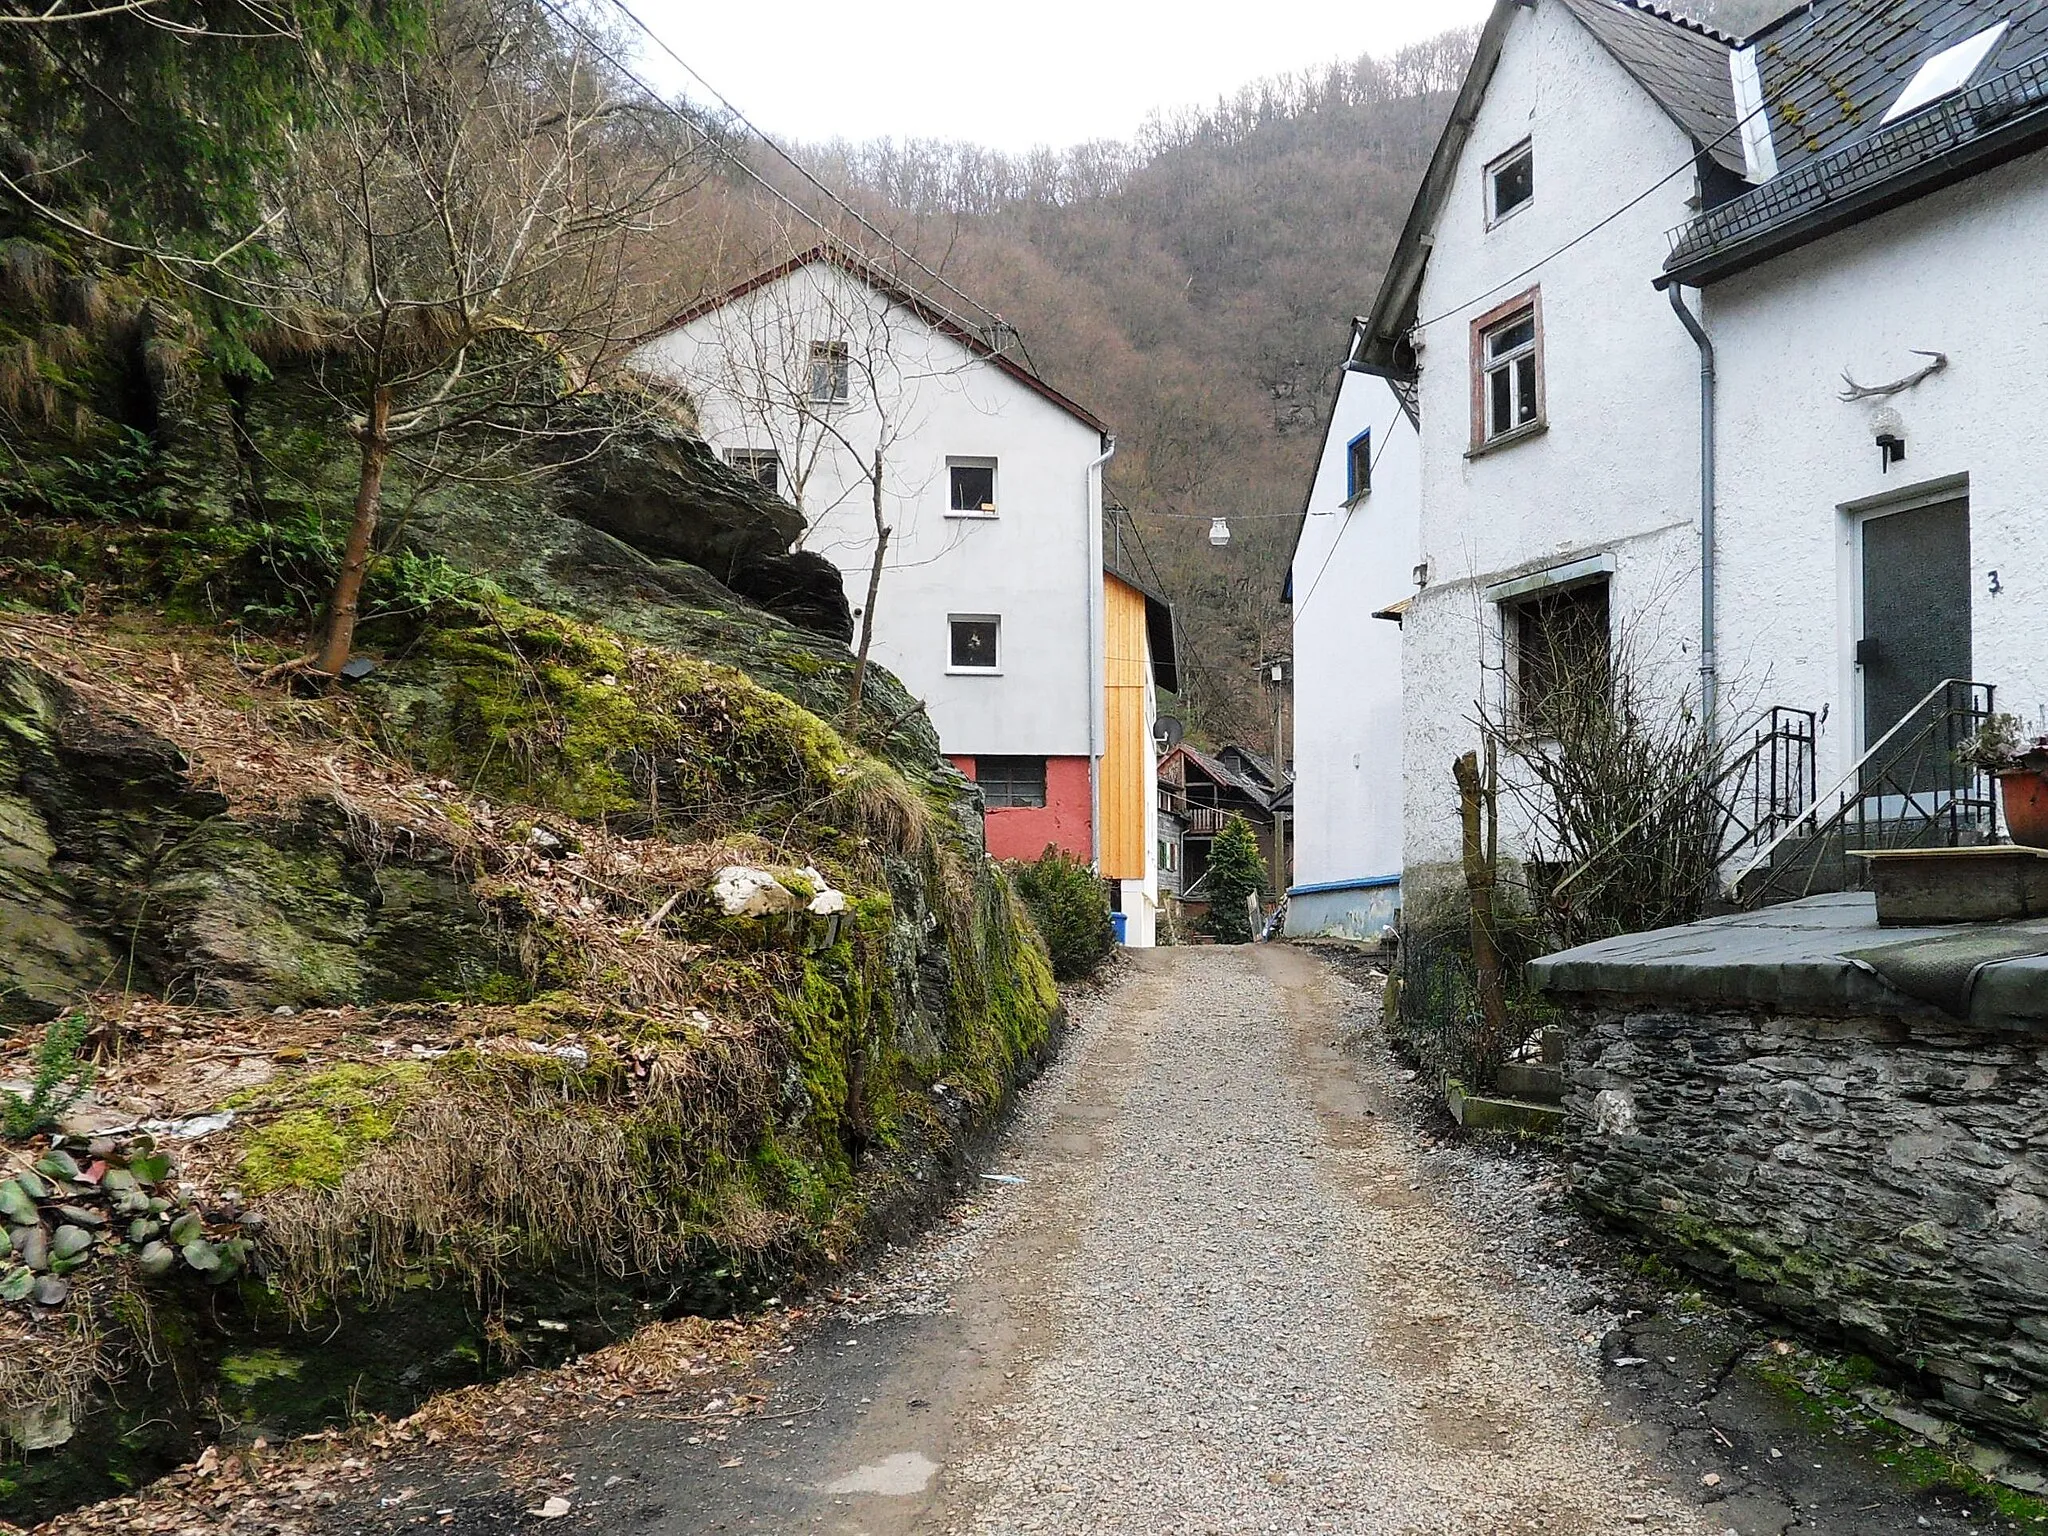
{"type": "Point", "coordinates": [1477, 1112]}
{"type": "Point", "coordinates": [1533, 1080]}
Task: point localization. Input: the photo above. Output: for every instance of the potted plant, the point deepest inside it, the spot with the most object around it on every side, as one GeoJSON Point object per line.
{"type": "Point", "coordinates": [2019, 762]}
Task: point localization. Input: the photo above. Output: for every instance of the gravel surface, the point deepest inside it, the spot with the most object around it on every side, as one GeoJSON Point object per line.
{"type": "Point", "coordinates": [1262, 1322]}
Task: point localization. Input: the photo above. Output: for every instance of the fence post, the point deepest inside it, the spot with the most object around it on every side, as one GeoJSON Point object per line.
{"type": "Point", "coordinates": [1479, 872]}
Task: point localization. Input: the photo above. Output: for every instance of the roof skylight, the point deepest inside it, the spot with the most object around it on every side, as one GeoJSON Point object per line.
{"type": "Point", "coordinates": [1945, 73]}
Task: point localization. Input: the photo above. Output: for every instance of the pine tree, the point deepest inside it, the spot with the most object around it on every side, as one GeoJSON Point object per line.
{"type": "Point", "coordinates": [1235, 871]}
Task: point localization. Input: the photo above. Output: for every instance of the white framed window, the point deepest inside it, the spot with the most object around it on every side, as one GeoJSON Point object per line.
{"type": "Point", "coordinates": [1510, 183]}
{"type": "Point", "coordinates": [831, 373]}
{"type": "Point", "coordinates": [1507, 371]}
{"type": "Point", "coordinates": [970, 487]}
{"type": "Point", "coordinates": [974, 642]}
{"type": "Point", "coordinates": [762, 465]}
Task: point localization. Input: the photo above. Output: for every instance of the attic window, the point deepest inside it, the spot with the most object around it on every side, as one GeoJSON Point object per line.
{"type": "Point", "coordinates": [1358, 466]}
{"type": "Point", "coordinates": [831, 373]}
{"type": "Point", "coordinates": [972, 486]}
{"type": "Point", "coordinates": [1510, 182]}
{"type": "Point", "coordinates": [1945, 73]}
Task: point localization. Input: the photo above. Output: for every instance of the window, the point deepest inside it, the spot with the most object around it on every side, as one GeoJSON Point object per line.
{"type": "Point", "coordinates": [1945, 73]}
{"type": "Point", "coordinates": [1558, 652]}
{"type": "Point", "coordinates": [1507, 371]}
{"type": "Point", "coordinates": [973, 486]}
{"type": "Point", "coordinates": [1358, 466]}
{"type": "Point", "coordinates": [974, 643]}
{"type": "Point", "coordinates": [1010, 783]}
{"type": "Point", "coordinates": [830, 373]}
{"type": "Point", "coordinates": [759, 464]}
{"type": "Point", "coordinates": [1510, 183]}
{"type": "Point", "coordinates": [1166, 855]}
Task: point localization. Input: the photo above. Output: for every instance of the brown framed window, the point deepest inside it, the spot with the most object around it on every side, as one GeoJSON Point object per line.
{"type": "Point", "coordinates": [1507, 371]}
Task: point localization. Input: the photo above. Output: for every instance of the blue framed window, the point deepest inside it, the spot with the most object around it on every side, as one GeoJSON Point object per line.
{"type": "Point", "coordinates": [1358, 465]}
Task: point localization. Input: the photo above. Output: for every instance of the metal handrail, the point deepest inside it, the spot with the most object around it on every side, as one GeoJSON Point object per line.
{"type": "Point", "coordinates": [1807, 825]}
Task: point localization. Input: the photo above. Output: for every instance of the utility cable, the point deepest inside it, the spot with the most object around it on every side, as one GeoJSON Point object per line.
{"type": "Point", "coordinates": [801, 169]}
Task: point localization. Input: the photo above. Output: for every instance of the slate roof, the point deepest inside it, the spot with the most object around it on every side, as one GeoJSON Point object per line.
{"type": "Point", "coordinates": [1830, 71]}
{"type": "Point", "coordinates": [1682, 64]}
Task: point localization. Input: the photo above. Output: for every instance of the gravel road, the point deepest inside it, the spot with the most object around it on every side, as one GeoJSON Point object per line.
{"type": "Point", "coordinates": [1203, 1287]}
{"type": "Point", "coordinates": [1260, 1322]}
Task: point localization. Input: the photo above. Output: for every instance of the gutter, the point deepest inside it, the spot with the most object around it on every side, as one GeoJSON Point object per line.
{"type": "Point", "coordinates": [1091, 505]}
{"type": "Point", "coordinates": [1709, 681]}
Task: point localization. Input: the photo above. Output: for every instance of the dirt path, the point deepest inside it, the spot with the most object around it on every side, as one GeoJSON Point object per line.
{"type": "Point", "coordinates": [1219, 1301]}
{"type": "Point", "coordinates": [1220, 1278]}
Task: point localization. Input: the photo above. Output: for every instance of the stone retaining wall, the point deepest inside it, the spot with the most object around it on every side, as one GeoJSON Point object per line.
{"type": "Point", "coordinates": [1883, 1180]}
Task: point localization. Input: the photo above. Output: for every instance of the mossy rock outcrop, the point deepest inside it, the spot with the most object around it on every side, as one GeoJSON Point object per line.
{"type": "Point", "coordinates": [443, 943]}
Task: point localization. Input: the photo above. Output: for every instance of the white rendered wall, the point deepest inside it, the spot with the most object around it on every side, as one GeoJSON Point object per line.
{"type": "Point", "coordinates": [923, 397]}
{"type": "Point", "coordinates": [1945, 274]}
{"type": "Point", "coordinates": [1354, 559]}
{"type": "Point", "coordinates": [1617, 470]}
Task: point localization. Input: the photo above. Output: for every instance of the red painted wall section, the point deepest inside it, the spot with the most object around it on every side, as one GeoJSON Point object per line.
{"type": "Point", "coordinates": [1020, 833]}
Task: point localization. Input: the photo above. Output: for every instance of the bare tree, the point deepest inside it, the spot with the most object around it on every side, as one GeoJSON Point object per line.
{"type": "Point", "coordinates": [455, 247]}
{"type": "Point", "coordinates": [822, 374]}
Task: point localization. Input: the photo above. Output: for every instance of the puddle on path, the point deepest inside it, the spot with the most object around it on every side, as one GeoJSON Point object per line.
{"type": "Point", "coordinates": [898, 1476]}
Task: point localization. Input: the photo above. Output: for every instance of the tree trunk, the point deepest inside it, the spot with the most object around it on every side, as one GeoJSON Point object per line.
{"type": "Point", "coordinates": [867, 614]}
{"type": "Point", "coordinates": [355, 558]}
{"type": "Point", "coordinates": [1479, 872]}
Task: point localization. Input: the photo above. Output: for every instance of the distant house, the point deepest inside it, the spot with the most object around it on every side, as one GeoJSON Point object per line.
{"type": "Point", "coordinates": [1200, 794]}
{"type": "Point", "coordinates": [1353, 570]}
{"type": "Point", "coordinates": [1723, 350]}
{"type": "Point", "coordinates": [992, 605]}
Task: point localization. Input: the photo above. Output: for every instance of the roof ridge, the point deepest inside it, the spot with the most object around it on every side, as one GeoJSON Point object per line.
{"type": "Point", "coordinates": [1681, 20]}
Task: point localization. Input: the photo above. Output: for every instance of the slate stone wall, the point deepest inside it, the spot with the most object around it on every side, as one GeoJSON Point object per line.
{"type": "Point", "coordinates": [1882, 1181]}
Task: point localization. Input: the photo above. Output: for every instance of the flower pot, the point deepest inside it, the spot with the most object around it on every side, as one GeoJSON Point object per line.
{"type": "Point", "coordinates": [2025, 793]}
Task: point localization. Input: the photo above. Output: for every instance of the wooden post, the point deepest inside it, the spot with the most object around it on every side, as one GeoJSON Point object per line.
{"type": "Point", "coordinates": [1479, 870]}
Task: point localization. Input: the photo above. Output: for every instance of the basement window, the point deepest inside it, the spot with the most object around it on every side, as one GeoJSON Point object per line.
{"type": "Point", "coordinates": [1011, 783]}
{"type": "Point", "coordinates": [972, 487]}
{"type": "Point", "coordinates": [761, 465]}
{"type": "Point", "coordinates": [1558, 654]}
{"type": "Point", "coordinates": [1510, 183]}
{"type": "Point", "coordinates": [1358, 466]}
{"type": "Point", "coordinates": [831, 373]}
{"type": "Point", "coordinates": [974, 643]}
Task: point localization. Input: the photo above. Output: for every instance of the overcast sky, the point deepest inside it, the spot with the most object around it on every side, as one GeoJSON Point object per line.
{"type": "Point", "coordinates": [1013, 73]}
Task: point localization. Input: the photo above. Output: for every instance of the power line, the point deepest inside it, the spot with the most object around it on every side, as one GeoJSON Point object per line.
{"type": "Point", "coordinates": [801, 169]}
{"type": "Point", "coordinates": [1385, 443]}
{"type": "Point", "coordinates": [711, 142]}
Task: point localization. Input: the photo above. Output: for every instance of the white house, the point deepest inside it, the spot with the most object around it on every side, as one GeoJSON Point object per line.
{"type": "Point", "coordinates": [990, 602]}
{"type": "Point", "coordinates": [1644, 262]}
{"type": "Point", "coordinates": [1355, 551]}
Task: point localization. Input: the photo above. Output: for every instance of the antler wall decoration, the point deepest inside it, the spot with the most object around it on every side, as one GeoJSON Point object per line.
{"type": "Point", "coordinates": [1857, 391]}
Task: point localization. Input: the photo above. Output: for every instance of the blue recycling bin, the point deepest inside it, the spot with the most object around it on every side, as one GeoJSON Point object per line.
{"type": "Point", "coordinates": [1121, 923]}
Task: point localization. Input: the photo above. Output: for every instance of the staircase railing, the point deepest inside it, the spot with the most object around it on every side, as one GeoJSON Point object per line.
{"type": "Point", "coordinates": [1907, 791]}
{"type": "Point", "coordinates": [1772, 783]}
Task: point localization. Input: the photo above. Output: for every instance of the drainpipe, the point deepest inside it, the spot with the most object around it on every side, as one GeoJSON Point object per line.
{"type": "Point", "coordinates": [1709, 680]}
{"type": "Point", "coordinates": [1097, 711]}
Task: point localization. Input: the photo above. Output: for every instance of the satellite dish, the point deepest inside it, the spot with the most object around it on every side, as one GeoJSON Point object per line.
{"type": "Point", "coordinates": [1167, 733]}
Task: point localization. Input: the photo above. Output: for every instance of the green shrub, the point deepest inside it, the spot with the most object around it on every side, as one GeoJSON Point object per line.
{"type": "Point", "coordinates": [58, 1082]}
{"type": "Point", "coordinates": [1071, 908]}
{"type": "Point", "coordinates": [1236, 871]}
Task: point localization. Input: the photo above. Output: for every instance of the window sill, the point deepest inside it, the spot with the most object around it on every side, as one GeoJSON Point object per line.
{"type": "Point", "coordinates": [1535, 428]}
{"type": "Point", "coordinates": [974, 517]}
{"type": "Point", "coordinates": [974, 671]}
{"type": "Point", "coordinates": [1501, 218]}
{"type": "Point", "coordinates": [1356, 499]}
